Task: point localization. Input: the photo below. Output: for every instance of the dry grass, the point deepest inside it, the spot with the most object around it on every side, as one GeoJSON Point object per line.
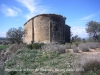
{"type": "Point", "coordinates": [55, 48]}
{"type": "Point", "coordinates": [91, 62]}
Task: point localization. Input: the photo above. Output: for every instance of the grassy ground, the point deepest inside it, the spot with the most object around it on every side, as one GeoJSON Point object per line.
{"type": "Point", "coordinates": [32, 62]}
{"type": "Point", "coordinates": [43, 60]}
{"type": "Point", "coordinates": [3, 47]}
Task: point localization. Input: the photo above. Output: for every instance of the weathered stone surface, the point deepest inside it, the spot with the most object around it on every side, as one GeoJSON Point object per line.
{"type": "Point", "coordinates": [41, 29]}
{"type": "Point", "coordinates": [28, 35]}
{"type": "Point", "coordinates": [47, 28]}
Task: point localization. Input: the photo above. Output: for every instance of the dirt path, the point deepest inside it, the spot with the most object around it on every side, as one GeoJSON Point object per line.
{"type": "Point", "coordinates": [91, 51]}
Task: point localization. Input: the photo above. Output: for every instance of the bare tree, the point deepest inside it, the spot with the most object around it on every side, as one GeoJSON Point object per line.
{"type": "Point", "coordinates": [15, 35]}
{"type": "Point", "coordinates": [76, 38]}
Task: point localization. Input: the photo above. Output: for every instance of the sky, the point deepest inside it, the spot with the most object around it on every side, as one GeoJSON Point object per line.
{"type": "Point", "coordinates": [14, 13]}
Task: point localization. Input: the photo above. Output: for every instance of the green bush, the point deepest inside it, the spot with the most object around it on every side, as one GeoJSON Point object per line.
{"type": "Point", "coordinates": [35, 46]}
{"type": "Point", "coordinates": [29, 46]}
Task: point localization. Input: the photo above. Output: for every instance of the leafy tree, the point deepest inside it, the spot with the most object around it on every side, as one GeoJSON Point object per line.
{"type": "Point", "coordinates": [93, 29]}
{"type": "Point", "coordinates": [15, 35]}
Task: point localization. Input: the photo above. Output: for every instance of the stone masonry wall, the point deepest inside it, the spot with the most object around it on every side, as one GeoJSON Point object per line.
{"type": "Point", "coordinates": [47, 28]}
{"type": "Point", "coordinates": [41, 29]}
{"type": "Point", "coordinates": [57, 30]}
{"type": "Point", "coordinates": [28, 35]}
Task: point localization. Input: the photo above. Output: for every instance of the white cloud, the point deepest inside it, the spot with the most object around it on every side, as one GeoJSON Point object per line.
{"type": "Point", "coordinates": [88, 17]}
{"type": "Point", "coordinates": [33, 7]}
{"type": "Point", "coordinates": [17, 9]}
{"type": "Point", "coordinates": [7, 11]}
{"type": "Point", "coordinates": [83, 19]}
{"type": "Point", "coordinates": [2, 34]}
{"type": "Point", "coordinates": [80, 31]}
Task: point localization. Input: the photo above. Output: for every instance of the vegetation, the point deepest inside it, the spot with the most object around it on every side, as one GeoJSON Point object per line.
{"type": "Point", "coordinates": [85, 46]}
{"type": "Point", "coordinates": [75, 50]}
{"type": "Point", "coordinates": [35, 46]}
{"type": "Point", "coordinates": [37, 59]}
{"type": "Point", "coordinates": [54, 48]}
{"type": "Point", "coordinates": [91, 63]}
{"type": "Point", "coordinates": [49, 56]}
{"type": "Point", "coordinates": [15, 35]}
{"type": "Point", "coordinates": [75, 38]}
{"type": "Point", "coordinates": [93, 66]}
{"type": "Point", "coordinates": [93, 29]}
{"type": "Point", "coordinates": [2, 47]}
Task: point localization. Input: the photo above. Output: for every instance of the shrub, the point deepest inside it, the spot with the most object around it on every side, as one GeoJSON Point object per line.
{"type": "Point", "coordinates": [68, 45]}
{"type": "Point", "coordinates": [92, 65]}
{"type": "Point", "coordinates": [55, 48]}
{"type": "Point", "coordinates": [83, 47]}
{"type": "Point", "coordinates": [85, 50]}
{"type": "Point", "coordinates": [29, 46]}
{"type": "Point", "coordinates": [93, 45]}
{"type": "Point", "coordinates": [73, 46]}
{"type": "Point", "coordinates": [77, 43]}
{"type": "Point", "coordinates": [75, 50]}
{"type": "Point", "coordinates": [34, 46]}
{"type": "Point", "coordinates": [87, 45]}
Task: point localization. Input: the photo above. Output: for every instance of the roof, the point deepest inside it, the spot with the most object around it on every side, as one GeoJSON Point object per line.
{"type": "Point", "coordinates": [48, 15]}
{"type": "Point", "coordinates": [67, 25]}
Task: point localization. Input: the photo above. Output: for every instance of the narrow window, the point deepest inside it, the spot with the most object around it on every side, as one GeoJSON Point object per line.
{"type": "Point", "coordinates": [55, 27]}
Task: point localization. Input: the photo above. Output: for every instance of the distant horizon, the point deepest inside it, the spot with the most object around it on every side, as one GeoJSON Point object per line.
{"type": "Point", "coordinates": [80, 37]}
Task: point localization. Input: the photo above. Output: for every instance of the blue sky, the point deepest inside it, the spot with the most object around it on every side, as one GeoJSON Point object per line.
{"type": "Point", "coordinates": [15, 13]}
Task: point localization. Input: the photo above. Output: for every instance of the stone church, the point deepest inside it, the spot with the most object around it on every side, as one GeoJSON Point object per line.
{"type": "Point", "coordinates": [47, 28]}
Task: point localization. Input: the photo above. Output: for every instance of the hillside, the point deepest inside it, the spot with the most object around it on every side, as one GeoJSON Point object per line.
{"type": "Point", "coordinates": [24, 61]}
